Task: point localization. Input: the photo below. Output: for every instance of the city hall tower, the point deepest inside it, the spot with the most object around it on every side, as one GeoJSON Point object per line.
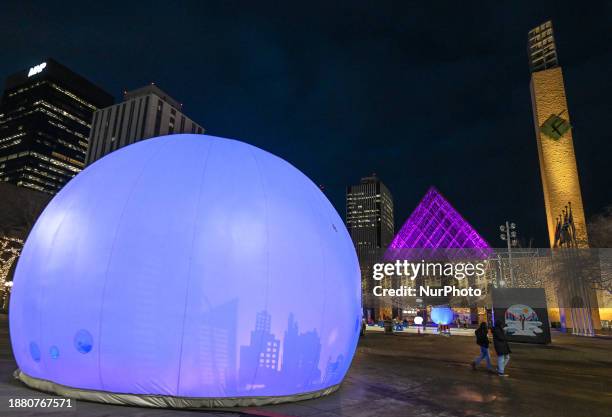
{"type": "Point", "coordinates": [577, 300]}
{"type": "Point", "coordinates": [558, 168]}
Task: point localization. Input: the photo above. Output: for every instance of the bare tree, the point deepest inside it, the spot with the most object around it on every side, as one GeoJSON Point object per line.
{"type": "Point", "coordinates": [19, 209]}
{"type": "Point", "coordinates": [600, 229]}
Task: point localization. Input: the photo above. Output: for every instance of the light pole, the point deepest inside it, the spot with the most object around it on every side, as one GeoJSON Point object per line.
{"type": "Point", "coordinates": [500, 273]}
{"type": "Point", "coordinates": [8, 285]}
{"type": "Point", "coordinates": [509, 235]}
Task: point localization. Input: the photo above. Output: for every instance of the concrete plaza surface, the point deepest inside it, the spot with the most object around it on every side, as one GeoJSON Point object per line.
{"type": "Point", "coordinates": [413, 375]}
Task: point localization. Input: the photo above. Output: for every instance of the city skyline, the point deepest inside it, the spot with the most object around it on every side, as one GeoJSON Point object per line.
{"type": "Point", "coordinates": [454, 112]}
{"type": "Point", "coordinates": [306, 209]}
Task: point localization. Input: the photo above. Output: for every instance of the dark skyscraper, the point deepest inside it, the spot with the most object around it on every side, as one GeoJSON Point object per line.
{"type": "Point", "coordinates": [369, 219]}
{"type": "Point", "coordinates": [369, 213]}
{"type": "Point", "coordinates": [45, 119]}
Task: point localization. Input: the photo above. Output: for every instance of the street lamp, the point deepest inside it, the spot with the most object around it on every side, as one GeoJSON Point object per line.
{"type": "Point", "coordinates": [508, 234]}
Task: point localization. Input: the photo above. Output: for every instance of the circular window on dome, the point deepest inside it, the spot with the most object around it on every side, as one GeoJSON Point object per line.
{"type": "Point", "coordinates": [54, 352]}
{"type": "Point", "coordinates": [83, 341]}
{"type": "Point", "coordinates": [34, 351]}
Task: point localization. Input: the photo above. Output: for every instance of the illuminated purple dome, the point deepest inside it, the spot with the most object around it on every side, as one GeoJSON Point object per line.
{"type": "Point", "coordinates": [202, 270]}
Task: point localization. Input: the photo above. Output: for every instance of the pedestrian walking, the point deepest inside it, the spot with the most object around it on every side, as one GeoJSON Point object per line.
{"type": "Point", "coordinates": [482, 340]}
{"type": "Point", "coordinates": [502, 348]}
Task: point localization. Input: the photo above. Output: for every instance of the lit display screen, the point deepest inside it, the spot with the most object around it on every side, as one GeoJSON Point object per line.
{"type": "Point", "coordinates": [442, 315]}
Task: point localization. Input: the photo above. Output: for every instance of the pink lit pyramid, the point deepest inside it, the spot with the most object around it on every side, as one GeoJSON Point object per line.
{"type": "Point", "coordinates": [435, 224]}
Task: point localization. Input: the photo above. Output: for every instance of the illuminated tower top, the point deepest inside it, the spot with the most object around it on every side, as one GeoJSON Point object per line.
{"type": "Point", "coordinates": [542, 49]}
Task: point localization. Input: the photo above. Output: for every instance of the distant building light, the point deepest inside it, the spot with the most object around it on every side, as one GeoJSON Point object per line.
{"type": "Point", "coordinates": [37, 69]}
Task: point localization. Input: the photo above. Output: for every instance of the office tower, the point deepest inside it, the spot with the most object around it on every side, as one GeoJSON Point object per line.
{"type": "Point", "coordinates": [45, 118]}
{"type": "Point", "coordinates": [369, 219]}
{"type": "Point", "coordinates": [559, 172]}
{"type": "Point", "coordinates": [144, 113]}
{"type": "Point", "coordinates": [369, 213]}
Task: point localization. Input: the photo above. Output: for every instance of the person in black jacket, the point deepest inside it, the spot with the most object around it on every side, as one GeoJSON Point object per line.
{"type": "Point", "coordinates": [482, 340]}
{"type": "Point", "coordinates": [502, 348]}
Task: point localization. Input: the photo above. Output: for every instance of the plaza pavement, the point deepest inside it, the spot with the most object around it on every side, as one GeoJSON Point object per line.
{"type": "Point", "coordinates": [407, 374]}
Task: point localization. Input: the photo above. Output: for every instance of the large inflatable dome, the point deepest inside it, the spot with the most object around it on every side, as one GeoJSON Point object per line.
{"type": "Point", "coordinates": [187, 270]}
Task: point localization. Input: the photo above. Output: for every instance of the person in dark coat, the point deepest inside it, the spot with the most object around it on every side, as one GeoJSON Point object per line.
{"type": "Point", "coordinates": [502, 348]}
{"type": "Point", "coordinates": [482, 340]}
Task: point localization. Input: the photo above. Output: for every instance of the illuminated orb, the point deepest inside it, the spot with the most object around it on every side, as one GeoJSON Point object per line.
{"type": "Point", "coordinates": [442, 315]}
{"type": "Point", "coordinates": [201, 270]}
{"type": "Point", "coordinates": [418, 320]}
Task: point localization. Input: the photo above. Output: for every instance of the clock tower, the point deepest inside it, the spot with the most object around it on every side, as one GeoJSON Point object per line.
{"type": "Point", "coordinates": [577, 300]}
{"type": "Point", "coordinates": [554, 137]}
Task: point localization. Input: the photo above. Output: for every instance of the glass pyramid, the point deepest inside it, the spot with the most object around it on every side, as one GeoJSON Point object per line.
{"type": "Point", "coordinates": [435, 224]}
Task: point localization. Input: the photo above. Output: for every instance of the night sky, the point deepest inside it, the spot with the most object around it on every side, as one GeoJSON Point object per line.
{"type": "Point", "coordinates": [422, 94]}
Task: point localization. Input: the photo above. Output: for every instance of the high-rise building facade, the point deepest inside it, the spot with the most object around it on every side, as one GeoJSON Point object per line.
{"type": "Point", "coordinates": [45, 119]}
{"type": "Point", "coordinates": [559, 172]}
{"type": "Point", "coordinates": [144, 113]}
{"type": "Point", "coordinates": [369, 214]}
{"type": "Point", "coordinates": [369, 219]}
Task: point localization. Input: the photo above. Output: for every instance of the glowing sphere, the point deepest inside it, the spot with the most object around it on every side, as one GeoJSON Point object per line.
{"type": "Point", "coordinates": [442, 315]}
{"type": "Point", "coordinates": [418, 320]}
{"type": "Point", "coordinates": [188, 266]}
